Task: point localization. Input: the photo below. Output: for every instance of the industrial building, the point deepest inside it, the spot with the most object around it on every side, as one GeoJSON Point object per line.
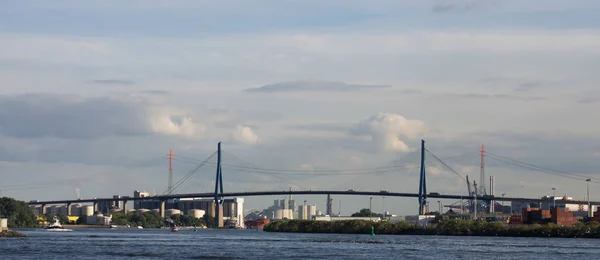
{"type": "Point", "coordinates": [286, 209]}
{"type": "Point", "coordinates": [307, 211]}
{"type": "Point", "coordinates": [558, 216]}
{"type": "Point", "coordinates": [76, 210]}
{"type": "Point", "coordinates": [99, 219]}
{"type": "Point", "coordinates": [578, 210]}
{"type": "Point", "coordinates": [232, 209]}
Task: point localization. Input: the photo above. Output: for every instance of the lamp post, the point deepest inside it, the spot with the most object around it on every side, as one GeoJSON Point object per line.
{"type": "Point", "coordinates": [439, 207]}
{"type": "Point", "coordinates": [587, 184]}
{"type": "Point", "coordinates": [370, 212]}
{"type": "Point", "coordinates": [503, 204]}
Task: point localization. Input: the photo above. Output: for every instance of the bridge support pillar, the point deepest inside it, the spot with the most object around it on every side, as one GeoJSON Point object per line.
{"type": "Point", "coordinates": [124, 206]}
{"type": "Point", "coordinates": [69, 213]}
{"type": "Point", "coordinates": [219, 218]}
{"type": "Point", "coordinates": [329, 210]}
{"type": "Point", "coordinates": [162, 208]}
{"type": "Point", "coordinates": [43, 209]}
{"type": "Point", "coordinates": [95, 205]}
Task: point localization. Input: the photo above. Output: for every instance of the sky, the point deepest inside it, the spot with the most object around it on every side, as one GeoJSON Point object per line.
{"type": "Point", "coordinates": [302, 94]}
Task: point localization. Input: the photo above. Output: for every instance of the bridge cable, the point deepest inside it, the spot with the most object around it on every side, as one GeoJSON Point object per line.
{"type": "Point", "coordinates": [540, 167]}
{"type": "Point", "coordinates": [195, 181]}
{"type": "Point", "coordinates": [570, 176]}
{"type": "Point", "coordinates": [188, 175]}
{"type": "Point", "coordinates": [251, 169]}
{"type": "Point", "coordinates": [264, 170]}
{"type": "Point", "coordinates": [446, 165]}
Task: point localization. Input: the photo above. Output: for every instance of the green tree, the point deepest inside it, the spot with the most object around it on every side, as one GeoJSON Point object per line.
{"type": "Point", "coordinates": [366, 213]}
{"type": "Point", "coordinates": [18, 213]}
{"type": "Point", "coordinates": [210, 221]}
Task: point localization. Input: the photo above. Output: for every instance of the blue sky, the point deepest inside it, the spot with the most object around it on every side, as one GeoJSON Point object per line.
{"type": "Point", "coordinates": [94, 94]}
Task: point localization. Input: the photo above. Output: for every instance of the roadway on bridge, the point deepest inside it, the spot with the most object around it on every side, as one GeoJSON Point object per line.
{"type": "Point", "coordinates": [309, 192]}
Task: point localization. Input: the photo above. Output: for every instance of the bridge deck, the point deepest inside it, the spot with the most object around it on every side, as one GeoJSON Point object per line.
{"type": "Point", "coordinates": [309, 192]}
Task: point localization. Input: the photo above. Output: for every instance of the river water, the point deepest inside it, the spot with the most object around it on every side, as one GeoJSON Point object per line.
{"type": "Point", "coordinates": [253, 244]}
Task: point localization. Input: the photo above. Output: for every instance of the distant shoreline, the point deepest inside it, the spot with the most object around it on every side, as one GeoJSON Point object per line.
{"type": "Point", "coordinates": [85, 226]}
{"type": "Point", "coordinates": [444, 228]}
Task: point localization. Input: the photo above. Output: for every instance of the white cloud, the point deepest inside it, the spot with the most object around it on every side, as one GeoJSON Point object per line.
{"type": "Point", "coordinates": [307, 167]}
{"type": "Point", "coordinates": [79, 117]}
{"type": "Point", "coordinates": [244, 135]}
{"type": "Point", "coordinates": [175, 124]}
{"type": "Point", "coordinates": [163, 124]}
{"type": "Point", "coordinates": [388, 131]}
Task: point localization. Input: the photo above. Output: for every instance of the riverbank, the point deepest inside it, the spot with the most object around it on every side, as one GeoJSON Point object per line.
{"type": "Point", "coordinates": [84, 226]}
{"type": "Point", "coordinates": [10, 233]}
{"type": "Point", "coordinates": [446, 227]}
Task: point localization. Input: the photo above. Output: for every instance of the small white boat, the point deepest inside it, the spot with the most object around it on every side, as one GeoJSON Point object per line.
{"type": "Point", "coordinates": [140, 227]}
{"type": "Point", "coordinates": [56, 226]}
{"type": "Point", "coordinates": [113, 226]}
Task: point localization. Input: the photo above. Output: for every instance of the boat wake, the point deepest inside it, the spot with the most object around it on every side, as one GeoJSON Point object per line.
{"type": "Point", "coordinates": [60, 230]}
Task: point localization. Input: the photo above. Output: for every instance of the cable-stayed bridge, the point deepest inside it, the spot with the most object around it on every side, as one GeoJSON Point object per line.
{"type": "Point", "coordinates": [196, 183]}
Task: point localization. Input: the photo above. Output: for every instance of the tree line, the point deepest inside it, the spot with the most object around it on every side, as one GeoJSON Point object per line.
{"type": "Point", "coordinates": [18, 213]}
{"type": "Point", "coordinates": [449, 227]}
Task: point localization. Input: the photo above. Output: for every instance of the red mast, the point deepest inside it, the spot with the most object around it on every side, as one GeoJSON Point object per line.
{"type": "Point", "coordinates": [170, 156]}
{"type": "Point", "coordinates": [482, 173]}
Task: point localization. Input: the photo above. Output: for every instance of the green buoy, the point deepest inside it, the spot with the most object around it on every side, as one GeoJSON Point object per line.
{"type": "Point", "coordinates": [372, 231]}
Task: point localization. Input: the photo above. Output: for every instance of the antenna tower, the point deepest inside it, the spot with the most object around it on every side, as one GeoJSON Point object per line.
{"type": "Point", "coordinates": [170, 156]}
{"type": "Point", "coordinates": [482, 173]}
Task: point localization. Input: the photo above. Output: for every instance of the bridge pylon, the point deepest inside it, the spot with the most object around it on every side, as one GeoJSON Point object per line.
{"type": "Point", "coordinates": [218, 184]}
{"type": "Point", "coordinates": [422, 183]}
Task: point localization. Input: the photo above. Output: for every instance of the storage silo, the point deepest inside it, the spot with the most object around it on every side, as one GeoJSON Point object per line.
{"type": "Point", "coordinates": [156, 211]}
{"type": "Point", "coordinates": [171, 212]}
{"type": "Point", "coordinates": [311, 210]}
{"type": "Point", "coordinates": [279, 214]}
{"type": "Point", "coordinates": [130, 211]}
{"type": "Point", "coordinates": [76, 210]}
{"type": "Point", "coordinates": [87, 210]}
{"type": "Point", "coordinates": [302, 212]}
{"type": "Point", "coordinates": [288, 213]}
{"type": "Point", "coordinates": [196, 213]}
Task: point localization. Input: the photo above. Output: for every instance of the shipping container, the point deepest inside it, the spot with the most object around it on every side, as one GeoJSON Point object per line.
{"type": "Point", "coordinates": [516, 219]}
